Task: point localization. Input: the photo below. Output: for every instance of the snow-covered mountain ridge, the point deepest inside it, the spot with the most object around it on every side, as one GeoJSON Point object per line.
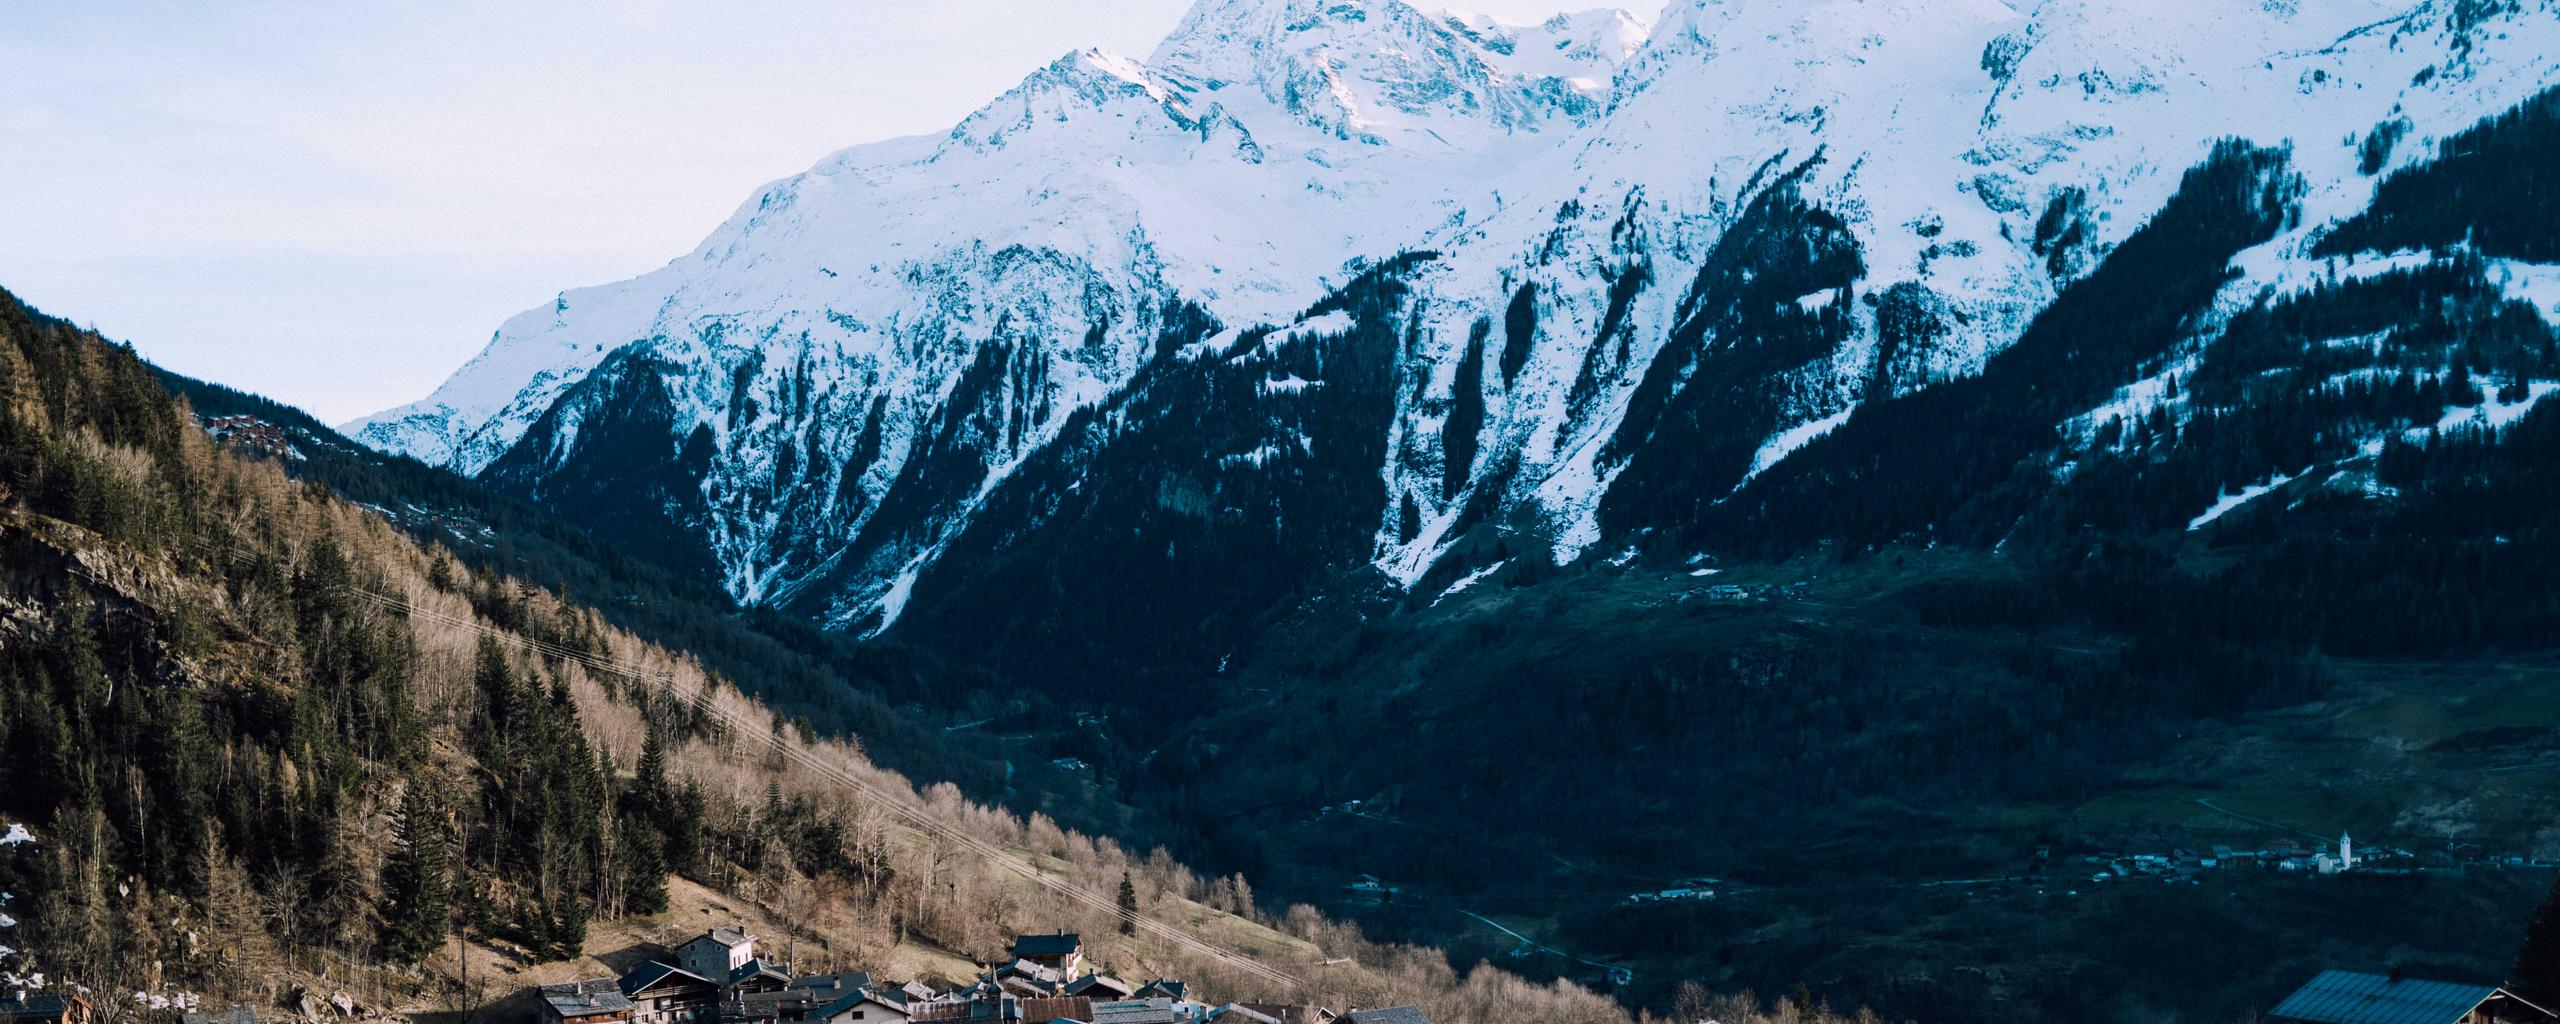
{"type": "Point", "coordinates": [841, 377]}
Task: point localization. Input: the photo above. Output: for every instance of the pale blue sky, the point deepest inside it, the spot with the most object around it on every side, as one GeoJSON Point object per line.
{"type": "Point", "coordinates": [335, 203]}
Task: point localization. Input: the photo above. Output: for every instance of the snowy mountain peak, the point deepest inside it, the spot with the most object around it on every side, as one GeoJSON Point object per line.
{"type": "Point", "coordinates": [1082, 82]}
{"type": "Point", "coordinates": [1586, 48]}
{"type": "Point", "coordinates": [839, 379]}
{"type": "Point", "coordinates": [1776, 36]}
{"type": "Point", "coordinates": [1376, 71]}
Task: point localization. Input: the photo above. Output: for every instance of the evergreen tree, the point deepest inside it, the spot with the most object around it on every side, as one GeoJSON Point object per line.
{"type": "Point", "coordinates": [1128, 905]}
{"type": "Point", "coordinates": [417, 881]}
{"type": "Point", "coordinates": [644, 866]}
{"type": "Point", "coordinates": [2537, 970]}
{"type": "Point", "coordinates": [568, 927]}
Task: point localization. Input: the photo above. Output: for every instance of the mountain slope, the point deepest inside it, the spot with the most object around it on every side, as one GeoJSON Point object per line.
{"type": "Point", "coordinates": [821, 374]}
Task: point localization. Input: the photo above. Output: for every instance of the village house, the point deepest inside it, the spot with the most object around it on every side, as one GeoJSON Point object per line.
{"type": "Point", "coordinates": [1367, 889]}
{"type": "Point", "coordinates": [666, 994]}
{"type": "Point", "coordinates": [1390, 1015]}
{"type": "Point", "coordinates": [717, 954]}
{"type": "Point", "coordinates": [2352, 997]}
{"type": "Point", "coordinates": [1028, 979]}
{"type": "Point", "coordinates": [831, 985]}
{"type": "Point", "coordinates": [1164, 987]}
{"type": "Point", "coordinates": [756, 977]}
{"type": "Point", "coordinates": [1062, 952]}
{"type": "Point", "coordinates": [23, 1008]}
{"type": "Point", "coordinates": [1101, 986]}
{"type": "Point", "coordinates": [599, 1001]}
{"type": "Point", "coordinates": [863, 1006]}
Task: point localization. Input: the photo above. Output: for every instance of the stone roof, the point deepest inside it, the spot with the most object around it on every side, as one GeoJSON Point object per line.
{"type": "Point", "coordinates": [586, 998]}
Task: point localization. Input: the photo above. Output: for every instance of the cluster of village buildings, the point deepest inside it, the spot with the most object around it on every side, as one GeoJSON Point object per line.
{"type": "Point", "coordinates": [250, 434]}
{"type": "Point", "coordinates": [717, 978]}
{"type": "Point", "coordinates": [2176, 865]}
{"type": "Point", "coordinates": [2320, 859]}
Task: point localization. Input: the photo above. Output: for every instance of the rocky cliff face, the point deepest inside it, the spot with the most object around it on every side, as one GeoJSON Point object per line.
{"type": "Point", "coordinates": [1649, 267]}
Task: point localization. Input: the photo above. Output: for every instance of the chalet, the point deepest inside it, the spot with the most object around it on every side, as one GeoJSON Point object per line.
{"type": "Point", "coordinates": [599, 1001]}
{"type": "Point", "coordinates": [662, 994]}
{"type": "Point", "coordinates": [1062, 952]}
{"type": "Point", "coordinates": [1166, 988]}
{"type": "Point", "coordinates": [756, 976]}
{"type": "Point", "coordinates": [717, 954]}
{"type": "Point", "coordinates": [64, 1009]}
{"type": "Point", "coordinates": [862, 1006]}
{"type": "Point", "coordinates": [2351, 997]}
{"type": "Point", "coordinates": [1367, 888]}
{"type": "Point", "coordinates": [1029, 979]}
{"type": "Point", "coordinates": [1101, 986]}
{"type": "Point", "coordinates": [1390, 1015]}
{"type": "Point", "coordinates": [833, 985]}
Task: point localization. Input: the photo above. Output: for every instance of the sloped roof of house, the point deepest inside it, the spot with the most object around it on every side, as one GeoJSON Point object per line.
{"type": "Point", "coordinates": [586, 998]}
{"type": "Point", "coordinates": [1086, 985]}
{"type": "Point", "coordinates": [731, 937]}
{"type": "Point", "coordinates": [1047, 945]}
{"type": "Point", "coordinates": [1411, 1015]}
{"type": "Point", "coordinates": [652, 974]}
{"type": "Point", "coordinates": [1042, 1011]}
{"type": "Point", "coordinates": [756, 968]}
{"type": "Point", "coordinates": [844, 982]}
{"type": "Point", "coordinates": [2354, 997]}
{"type": "Point", "coordinates": [856, 998]}
{"type": "Point", "coordinates": [1135, 1011]}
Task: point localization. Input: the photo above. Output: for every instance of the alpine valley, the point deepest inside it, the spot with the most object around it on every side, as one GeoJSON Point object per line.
{"type": "Point", "coordinates": [1890, 457]}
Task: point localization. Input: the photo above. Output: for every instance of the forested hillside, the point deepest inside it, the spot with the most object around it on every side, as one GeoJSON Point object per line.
{"type": "Point", "coordinates": [833, 681]}
{"type": "Point", "coordinates": [261, 739]}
